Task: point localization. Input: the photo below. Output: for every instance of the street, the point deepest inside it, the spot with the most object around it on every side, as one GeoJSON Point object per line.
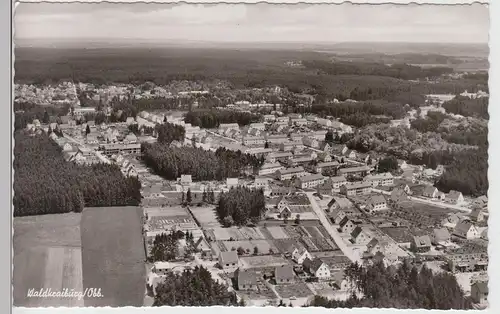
{"type": "Point", "coordinates": [350, 253]}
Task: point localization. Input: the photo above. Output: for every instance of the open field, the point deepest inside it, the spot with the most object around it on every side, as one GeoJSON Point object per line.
{"type": "Point", "coordinates": [263, 246]}
{"type": "Point", "coordinates": [313, 237]}
{"type": "Point", "coordinates": [47, 254]}
{"type": "Point", "coordinates": [206, 216]}
{"type": "Point", "coordinates": [113, 255]}
{"type": "Point", "coordinates": [298, 290]}
{"type": "Point", "coordinates": [237, 234]}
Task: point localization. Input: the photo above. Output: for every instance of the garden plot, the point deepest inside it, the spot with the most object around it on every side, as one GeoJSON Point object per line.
{"type": "Point", "coordinates": [263, 246]}
{"type": "Point", "coordinates": [277, 232]}
{"type": "Point", "coordinates": [237, 234]}
{"type": "Point", "coordinates": [298, 290]}
{"type": "Point", "coordinates": [206, 216]}
{"type": "Point", "coordinates": [263, 261]}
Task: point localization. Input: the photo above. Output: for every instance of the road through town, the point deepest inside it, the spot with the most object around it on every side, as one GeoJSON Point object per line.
{"type": "Point", "coordinates": [350, 253]}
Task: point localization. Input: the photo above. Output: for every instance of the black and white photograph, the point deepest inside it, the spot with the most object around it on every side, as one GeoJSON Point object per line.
{"type": "Point", "coordinates": [305, 155]}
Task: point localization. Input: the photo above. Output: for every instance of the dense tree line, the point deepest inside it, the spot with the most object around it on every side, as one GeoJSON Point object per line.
{"type": "Point", "coordinates": [172, 162]}
{"type": "Point", "coordinates": [193, 288]}
{"type": "Point", "coordinates": [467, 173]}
{"type": "Point", "coordinates": [402, 287]}
{"type": "Point", "coordinates": [168, 132]}
{"type": "Point", "coordinates": [165, 246]}
{"type": "Point", "coordinates": [210, 119]}
{"type": "Point", "coordinates": [241, 205]}
{"type": "Point", "coordinates": [362, 119]}
{"type": "Point", "coordinates": [430, 123]}
{"type": "Point", "coordinates": [44, 183]}
{"type": "Point", "coordinates": [25, 113]}
{"type": "Point", "coordinates": [399, 71]}
{"type": "Point", "coordinates": [373, 108]}
{"type": "Point", "coordinates": [468, 107]}
{"type": "Point", "coordinates": [387, 164]}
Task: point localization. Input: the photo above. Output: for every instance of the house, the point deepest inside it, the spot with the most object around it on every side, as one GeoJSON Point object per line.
{"type": "Point", "coordinates": [462, 261]}
{"type": "Point", "coordinates": [330, 165]}
{"type": "Point", "coordinates": [337, 182]}
{"type": "Point", "coordinates": [310, 142]}
{"type": "Point", "coordinates": [481, 202]}
{"type": "Point", "coordinates": [228, 259]}
{"type": "Point", "coordinates": [373, 246]}
{"type": "Point", "coordinates": [354, 171]}
{"type": "Point", "coordinates": [455, 197]}
{"type": "Point", "coordinates": [284, 274]}
{"type": "Point", "coordinates": [376, 203]}
{"type": "Point", "coordinates": [360, 236]}
{"type": "Point", "coordinates": [300, 255]}
{"type": "Point", "coordinates": [311, 181]}
{"type": "Point", "coordinates": [261, 182]}
{"type": "Point", "coordinates": [420, 244]}
{"type": "Point", "coordinates": [430, 192]}
{"type": "Point", "coordinates": [270, 168]}
{"type": "Point", "coordinates": [351, 154]}
{"type": "Point", "coordinates": [289, 173]}
{"type": "Point", "coordinates": [317, 268]}
{"type": "Point", "coordinates": [477, 215]}
{"type": "Point", "coordinates": [130, 138]}
{"type": "Point", "coordinates": [479, 292]}
{"type": "Point", "coordinates": [465, 229]}
{"type": "Point", "coordinates": [380, 179]}
{"type": "Point", "coordinates": [484, 234]}
{"type": "Point", "coordinates": [356, 188]}
{"type": "Point", "coordinates": [282, 203]}
{"type": "Point", "coordinates": [282, 191]}
{"type": "Point", "coordinates": [279, 156]}
{"type": "Point", "coordinates": [451, 221]}
{"type": "Point", "coordinates": [325, 157]}
{"type": "Point", "coordinates": [285, 212]}
{"type": "Point", "coordinates": [185, 179]}
{"type": "Point", "coordinates": [291, 145]}
{"type": "Point", "coordinates": [232, 183]}
{"type": "Point", "coordinates": [440, 235]}
{"type": "Point", "coordinates": [347, 225]}
{"type": "Point", "coordinates": [258, 126]}
{"type": "Point", "coordinates": [67, 147]}
{"type": "Point", "coordinates": [253, 140]}
{"type": "Point", "coordinates": [246, 279]}
{"type": "Point", "coordinates": [91, 139]}
{"type": "Point", "coordinates": [341, 203]}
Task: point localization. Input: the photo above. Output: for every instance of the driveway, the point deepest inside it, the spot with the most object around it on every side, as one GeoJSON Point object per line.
{"type": "Point", "coordinates": [348, 251]}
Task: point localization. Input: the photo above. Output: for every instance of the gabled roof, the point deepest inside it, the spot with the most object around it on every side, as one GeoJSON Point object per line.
{"type": "Point", "coordinates": [463, 226]}
{"type": "Point", "coordinates": [430, 189]}
{"type": "Point", "coordinates": [377, 199]}
{"type": "Point", "coordinates": [338, 179]}
{"type": "Point", "coordinates": [482, 286]}
{"type": "Point", "coordinates": [357, 231]}
{"type": "Point", "coordinates": [312, 265]}
{"type": "Point", "coordinates": [246, 277]}
{"type": "Point", "coordinates": [441, 234]}
{"type": "Point", "coordinates": [454, 195]}
{"type": "Point", "coordinates": [422, 241]}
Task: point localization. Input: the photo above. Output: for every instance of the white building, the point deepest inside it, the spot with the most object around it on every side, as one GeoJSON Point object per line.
{"type": "Point", "coordinates": [380, 179]}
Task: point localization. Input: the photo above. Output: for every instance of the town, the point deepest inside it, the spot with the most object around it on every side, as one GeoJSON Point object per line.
{"type": "Point", "coordinates": [295, 205]}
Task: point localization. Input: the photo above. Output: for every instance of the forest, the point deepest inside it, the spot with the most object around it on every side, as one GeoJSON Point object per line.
{"type": "Point", "coordinates": [194, 287]}
{"type": "Point", "coordinates": [468, 107]}
{"type": "Point", "coordinates": [399, 71]}
{"type": "Point", "coordinates": [44, 183]}
{"type": "Point", "coordinates": [171, 162]}
{"type": "Point", "coordinates": [210, 119]}
{"type": "Point", "coordinates": [168, 132]}
{"type": "Point", "coordinates": [402, 287]}
{"type": "Point", "coordinates": [242, 69]}
{"type": "Point", "coordinates": [240, 205]}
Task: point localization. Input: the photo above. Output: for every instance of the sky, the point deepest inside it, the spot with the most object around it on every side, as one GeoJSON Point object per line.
{"type": "Point", "coordinates": [308, 23]}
